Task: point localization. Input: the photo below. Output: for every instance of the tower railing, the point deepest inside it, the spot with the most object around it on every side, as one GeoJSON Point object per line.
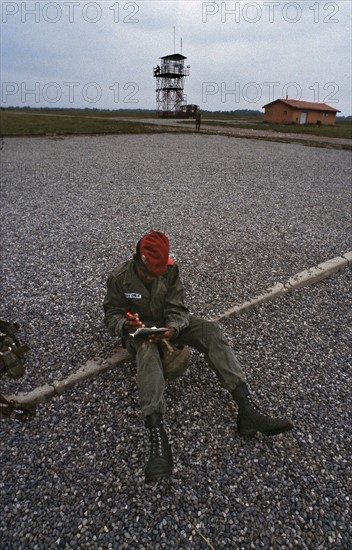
{"type": "Point", "coordinates": [169, 69]}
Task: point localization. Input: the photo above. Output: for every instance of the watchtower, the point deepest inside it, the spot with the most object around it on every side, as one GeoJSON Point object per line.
{"type": "Point", "coordinates": [170, 80]}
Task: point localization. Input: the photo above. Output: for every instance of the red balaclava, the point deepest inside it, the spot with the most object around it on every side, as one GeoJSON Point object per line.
{"type": "Point", "coordinates": [154, 252]}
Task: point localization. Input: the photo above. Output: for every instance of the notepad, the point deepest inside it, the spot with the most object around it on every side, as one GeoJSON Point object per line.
{"type": "Point", "coordinates": [146, 331]}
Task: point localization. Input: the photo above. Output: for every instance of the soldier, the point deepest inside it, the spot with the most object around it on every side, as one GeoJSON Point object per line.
{"type": "Point", "coordinates": [145, 292]}
{"type": "Point", "coordinates": [198, 119]}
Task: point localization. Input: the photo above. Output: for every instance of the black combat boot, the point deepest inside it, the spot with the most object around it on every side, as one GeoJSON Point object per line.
{"type": "Point", "coordinates": [251, 419]}
{"type": "Point", "coordinates": [160, 461]}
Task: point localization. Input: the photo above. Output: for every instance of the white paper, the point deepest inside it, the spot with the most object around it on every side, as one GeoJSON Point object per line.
{"type": "Point", "coordinates": [148, 330]}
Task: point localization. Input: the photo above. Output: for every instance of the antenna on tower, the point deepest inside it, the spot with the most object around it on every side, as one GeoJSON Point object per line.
{"type": "Point", "coordinates": [181, 46]}
{"type": "Point", "coordinates": [174, 40]}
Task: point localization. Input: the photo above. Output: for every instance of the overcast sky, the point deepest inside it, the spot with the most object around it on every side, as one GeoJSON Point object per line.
{"type": "Point", "coordinates": [242, 54]}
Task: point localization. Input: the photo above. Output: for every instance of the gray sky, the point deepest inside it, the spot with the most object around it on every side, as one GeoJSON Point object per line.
{"type": "Point", "coordinates": [242, 54]}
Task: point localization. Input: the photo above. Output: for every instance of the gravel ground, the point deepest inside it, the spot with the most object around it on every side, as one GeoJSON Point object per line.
{"type": "Point", "coordinates": [241, 216]}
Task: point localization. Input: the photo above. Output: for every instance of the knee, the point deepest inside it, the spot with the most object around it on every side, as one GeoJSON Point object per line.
{"type": "Point", "coordinates": [148, 351]}
{"type": "Point", "coordinates": [213, 330]}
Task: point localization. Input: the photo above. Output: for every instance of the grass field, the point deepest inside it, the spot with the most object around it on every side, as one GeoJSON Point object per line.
{"type": "Point", "coordinates": [31, 123]}
{"type": "Point", "coordinates": [36, 122]}
{"type": "Point", "coordinates": [342, 129]}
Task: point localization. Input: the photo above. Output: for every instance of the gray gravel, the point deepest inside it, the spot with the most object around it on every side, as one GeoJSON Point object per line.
{"type": "Point", "coordinates": [241, 216]}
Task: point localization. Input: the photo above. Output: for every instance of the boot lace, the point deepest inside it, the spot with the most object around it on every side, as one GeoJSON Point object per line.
{"type": "Point", "coordinates": [156, 442]}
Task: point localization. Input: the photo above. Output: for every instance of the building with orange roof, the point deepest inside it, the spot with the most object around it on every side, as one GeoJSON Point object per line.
{"type": "Point", "coordinates": [292, 111]}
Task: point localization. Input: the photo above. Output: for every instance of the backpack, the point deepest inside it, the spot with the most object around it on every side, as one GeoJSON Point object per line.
{"type": "Point", "coordinates": [11, 351]}
{"type": "Point", "coordinates": [12, 364]}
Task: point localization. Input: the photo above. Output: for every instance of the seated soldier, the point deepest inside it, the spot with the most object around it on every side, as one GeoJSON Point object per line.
{"type": "Point", "coordinates": [147, 291]}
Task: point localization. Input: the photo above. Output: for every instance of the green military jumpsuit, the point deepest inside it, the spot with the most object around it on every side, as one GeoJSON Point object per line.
{"type": "Point", "coordinates": [163, 305]}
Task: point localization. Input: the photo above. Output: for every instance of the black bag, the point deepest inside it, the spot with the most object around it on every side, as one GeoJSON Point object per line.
{"type": "Point", "coordinates": [12, 363]}
{"type": "Point", "coordinates": [11, 351]}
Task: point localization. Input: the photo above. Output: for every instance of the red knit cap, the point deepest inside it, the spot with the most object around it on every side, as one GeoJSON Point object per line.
{"type": "Point", "coordinates": [154, 250]}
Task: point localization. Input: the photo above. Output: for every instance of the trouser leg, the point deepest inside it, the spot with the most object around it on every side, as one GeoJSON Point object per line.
{"type": "Point", "coordinates": [207, 338]}
{"type": "Point", "coordinates": [150, 376]}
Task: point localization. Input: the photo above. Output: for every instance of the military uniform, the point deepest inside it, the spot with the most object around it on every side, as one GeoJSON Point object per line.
{"type": "Point", "coordinates": [163, 305]}
{"type": "Point", "coordinates": [148, 290]}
